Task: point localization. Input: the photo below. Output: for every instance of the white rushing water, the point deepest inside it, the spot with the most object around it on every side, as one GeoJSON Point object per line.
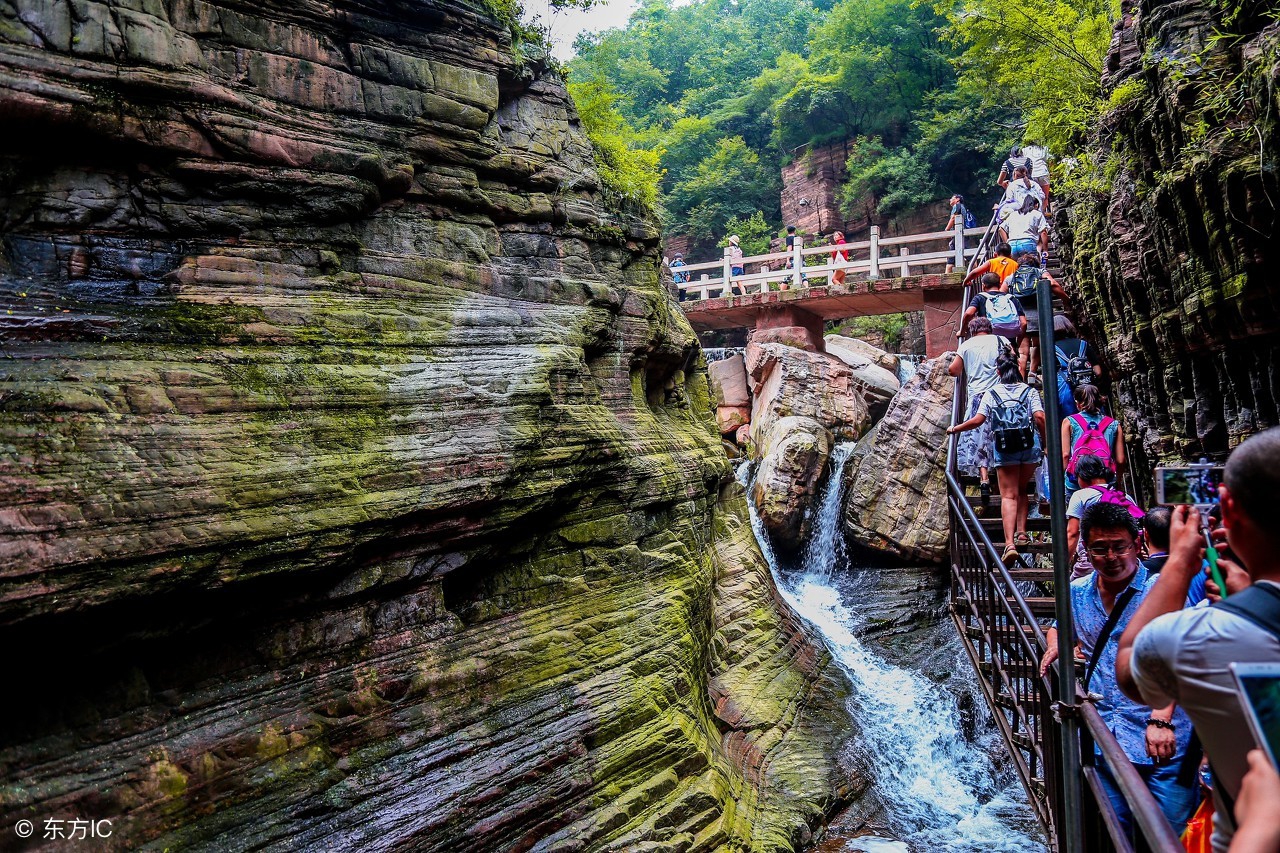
{"type": "Point", "coordinates": [940, 791]}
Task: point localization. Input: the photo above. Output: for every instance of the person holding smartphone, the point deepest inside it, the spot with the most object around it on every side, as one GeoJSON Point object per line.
{"type": "Point", "coordinates": [1168, 654]}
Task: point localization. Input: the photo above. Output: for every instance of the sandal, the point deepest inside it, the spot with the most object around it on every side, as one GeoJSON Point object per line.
{"type": "Point", "coordinates": [984, 490]}
{"type": "Point", "coordinates": [1021, 540]}
{"type": "Point", "coordinates": [1010, 555]}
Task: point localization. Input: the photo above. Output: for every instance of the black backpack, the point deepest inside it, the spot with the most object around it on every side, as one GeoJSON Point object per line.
{"type": "Point", "coordinates": [1011, 421]}
{"type": "Point", "coordinates": [1077, 369]}
{"type": "Point", "coordinates": [1025, 280]}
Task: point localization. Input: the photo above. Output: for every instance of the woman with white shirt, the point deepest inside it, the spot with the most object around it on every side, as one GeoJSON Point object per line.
{"type": "Point", "coordinates": [1025, 229]}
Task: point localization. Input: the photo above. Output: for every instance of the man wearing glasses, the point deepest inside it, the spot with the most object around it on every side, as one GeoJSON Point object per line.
{"type": "Point", "coordinates": [1102, 603]}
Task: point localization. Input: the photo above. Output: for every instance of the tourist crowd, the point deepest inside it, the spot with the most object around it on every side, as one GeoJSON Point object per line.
{"type": "Point", "coordinates": [1155, 636]}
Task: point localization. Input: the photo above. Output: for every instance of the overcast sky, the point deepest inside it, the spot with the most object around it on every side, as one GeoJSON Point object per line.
{"type": "Point", "coordinates": [566, 25]}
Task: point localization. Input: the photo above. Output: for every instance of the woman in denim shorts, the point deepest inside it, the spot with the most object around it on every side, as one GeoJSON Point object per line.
{"type": "Point", "coordinates": [1013, 469]}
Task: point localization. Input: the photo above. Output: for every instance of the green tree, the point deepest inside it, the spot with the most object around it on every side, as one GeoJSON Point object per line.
{"type": "Point", "coordinates": [729, 184]}
{"type": "Point", "coordinates": [1043, 56]}
{"type": "Point", "coordinates": [632, 174]}
{"type": "Point", "coordinates": [755, 234]}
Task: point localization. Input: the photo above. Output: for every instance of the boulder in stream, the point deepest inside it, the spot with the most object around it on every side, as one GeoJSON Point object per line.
{"type": "Point", "coordinates": [804, 402]}
{"type": "Point", "coordinates": [897, 492]}
{"type": "Point", "coordinates": [876, 383]}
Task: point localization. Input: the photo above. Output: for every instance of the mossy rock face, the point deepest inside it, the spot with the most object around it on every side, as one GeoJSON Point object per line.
{"type": "Point", "coordinates": [360, 484]}
{"type": "Point", "coordinates": [1174, 258]}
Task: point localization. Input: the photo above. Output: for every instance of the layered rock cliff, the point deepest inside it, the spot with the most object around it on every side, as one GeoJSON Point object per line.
{"type": "Point", "coordinates": [359, 484]}
{"type": "Point", "coordinates": [1175, 249]}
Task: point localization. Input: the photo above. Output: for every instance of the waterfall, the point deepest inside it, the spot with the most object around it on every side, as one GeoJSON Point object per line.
{"type": "Point", "coordinates": [939, 790]}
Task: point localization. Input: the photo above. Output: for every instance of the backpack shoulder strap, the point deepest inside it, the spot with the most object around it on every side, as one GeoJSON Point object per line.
{"type": "Point", "coordinates": [1105, 422]}
{"type": "Point", "coordinates": [1084, 348]}
{"type": "Point", "coordinates": [1079, 420]}
{"type": "Point", "coordinates": [1260, 604]}
{"type": "Point", "coordinates": [1108, 628]}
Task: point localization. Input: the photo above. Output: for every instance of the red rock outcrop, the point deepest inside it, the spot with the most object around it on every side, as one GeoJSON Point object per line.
{"type": "Point", "coordinates": [361, 488]}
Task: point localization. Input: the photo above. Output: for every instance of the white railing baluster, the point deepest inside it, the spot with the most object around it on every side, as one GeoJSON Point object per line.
{"type": "Point", "coordinates": [905, 269]}
{"type": "Point", "coordinates": [797, 264]}
{"type": "Point", "coordinates": [959, 262]}
{"type": "Point", "coordinates": [873, 271]}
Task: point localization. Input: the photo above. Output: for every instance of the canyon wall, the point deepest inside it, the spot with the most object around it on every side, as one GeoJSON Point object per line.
{"type": "Point", "coordinates": [1175, 244]}
{"type": "Point", "coordinates": [359, 487]}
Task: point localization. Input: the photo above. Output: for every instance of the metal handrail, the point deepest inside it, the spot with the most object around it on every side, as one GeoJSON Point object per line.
{"type": "Point", "coordinates": [1006, 653]}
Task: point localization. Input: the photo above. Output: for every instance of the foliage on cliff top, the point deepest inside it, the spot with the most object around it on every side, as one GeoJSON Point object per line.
{"type": "Point", "coordinates": [776, 76]}
{"type": "Point", "coordinates": [1043, 57]}
{"type": "Point", "coordinates": [632, 173]}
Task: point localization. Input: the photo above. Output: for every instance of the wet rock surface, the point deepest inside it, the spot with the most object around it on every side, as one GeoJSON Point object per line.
{"type": "Point", "coordinates": [1175, 256]}
{"type": "Point", "coordinates": [363, 487]}
{"type": "Point", "coordinates": [803, 402]}
{"type": "Point", "coordinates": [897, 495]}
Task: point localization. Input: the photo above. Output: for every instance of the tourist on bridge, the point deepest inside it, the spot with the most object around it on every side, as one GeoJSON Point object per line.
{"type": "Point", "coordinates": [791, 259]}
{"type": "Point", "coordinates": [959, 214]}
{"type": "Point", "coordinates": [1025, 229]}
{"type": "Point", "coordinates": [1170, 654]}
{"type": "Point", "coordinates": [733, 254]}
{"type": "Point", "coordinates": [1017, 434]}
{"type": "Point", "coordinates": [1002, 264]}
{"type": "Point", "coordinates": [1103, 602]}
{"type": "Point", "coordinates": [838, 258]}
{"type": "Point", "coordinates": [976, 362]}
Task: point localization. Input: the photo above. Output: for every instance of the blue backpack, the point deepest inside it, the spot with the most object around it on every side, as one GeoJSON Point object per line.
{"type": "Point", "coordinates": [970, 221]}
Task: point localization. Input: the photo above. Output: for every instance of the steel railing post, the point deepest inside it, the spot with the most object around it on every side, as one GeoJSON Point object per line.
{"type": "Point", "coordinates": [1069, 824]}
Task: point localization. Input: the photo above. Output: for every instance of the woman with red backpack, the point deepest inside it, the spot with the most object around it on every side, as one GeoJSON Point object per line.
{"type": "Point", "coordinates": [1090, 433]}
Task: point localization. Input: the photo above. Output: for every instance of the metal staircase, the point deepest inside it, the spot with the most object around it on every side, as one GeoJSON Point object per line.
{"type": "Point", "coordinates": [1000, 614]}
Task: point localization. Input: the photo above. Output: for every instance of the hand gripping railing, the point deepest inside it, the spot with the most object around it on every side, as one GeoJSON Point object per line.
{"type": "Point", "coordinates": [1052, 744]}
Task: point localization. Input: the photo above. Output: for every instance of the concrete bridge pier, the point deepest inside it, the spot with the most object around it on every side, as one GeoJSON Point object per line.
{"type": "Point", "coordinates": [791, 316]}
{"type": "Point", "coordinates": [942, 311]}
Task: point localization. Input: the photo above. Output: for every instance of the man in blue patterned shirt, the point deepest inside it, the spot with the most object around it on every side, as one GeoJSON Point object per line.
{"type": "Point", "coordinates": [1154, 739]}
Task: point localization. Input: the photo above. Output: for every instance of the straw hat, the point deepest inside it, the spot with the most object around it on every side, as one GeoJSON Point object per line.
{"type": "Point", "coordinates": [734, 239]}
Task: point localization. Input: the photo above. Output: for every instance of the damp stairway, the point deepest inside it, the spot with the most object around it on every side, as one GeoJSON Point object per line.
{"type": "Point", "coordinates": [999, 614]}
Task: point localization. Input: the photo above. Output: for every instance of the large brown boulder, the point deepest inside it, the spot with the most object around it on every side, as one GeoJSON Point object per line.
{"type": "Point", "coordinates": [897, 493]}
{"type": "Point", "coordinates": [804, 402]}
{"type": "Point", "coordinates": [877, 384]}
{"type": "Point", "coordinates": [793, 455]}
{"type": "Point", "coordinates": [870, 352]}
{"type": "Point", "coordinates": [729, 381]}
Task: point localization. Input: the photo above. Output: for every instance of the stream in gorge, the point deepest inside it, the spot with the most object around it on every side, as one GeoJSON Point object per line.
{"type": "Point", "coordinates": [923, 735]}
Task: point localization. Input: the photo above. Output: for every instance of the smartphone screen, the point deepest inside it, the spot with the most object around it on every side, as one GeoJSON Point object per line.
{"type": "Point", "coordinates": [1259, 686]}
{"type": "Point", "coordinates": [1196, 485]}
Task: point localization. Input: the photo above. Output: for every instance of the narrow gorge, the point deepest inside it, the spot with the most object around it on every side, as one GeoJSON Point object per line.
{"type": "Point", "coordinates": [359, 487]}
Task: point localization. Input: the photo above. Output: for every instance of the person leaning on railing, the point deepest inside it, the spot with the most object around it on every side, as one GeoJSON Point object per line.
{"type": "Point", "coordinates": [1170, 654]}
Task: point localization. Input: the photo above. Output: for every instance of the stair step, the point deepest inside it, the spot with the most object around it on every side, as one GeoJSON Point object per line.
{"type": "Point", "coordinates": [1023, 741]}
{"type": "Point", "coordinates": [1040, 605]}
{"type": "Point", "coordinates": [995, 525]}
{"type": "Point", "coordinates": [1039, 575]}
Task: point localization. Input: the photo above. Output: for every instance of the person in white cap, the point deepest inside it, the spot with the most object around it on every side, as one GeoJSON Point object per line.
{"type": "Point", "coordinates": [733, 254]}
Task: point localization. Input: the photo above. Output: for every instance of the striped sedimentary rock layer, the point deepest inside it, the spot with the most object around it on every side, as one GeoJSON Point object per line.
{"type": "Point", "coordinates": [359, 487]}
{"type": "Point", "coordinates": [1175, 252]}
